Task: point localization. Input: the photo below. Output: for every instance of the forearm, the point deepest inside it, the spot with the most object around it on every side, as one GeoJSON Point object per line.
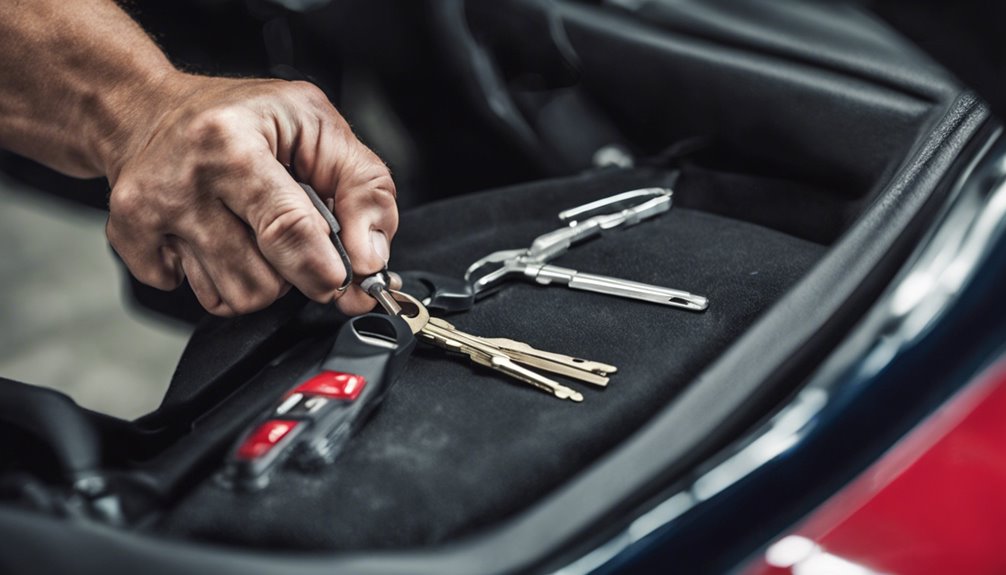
{"type": "Point", "coordinates": [76, 78]}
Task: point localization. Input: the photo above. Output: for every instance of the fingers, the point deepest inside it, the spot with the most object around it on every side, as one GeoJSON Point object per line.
{"type": "Point", "coordinates": [291, 234]}
{"type": "Point", "coordinates": [225, 249]}
{"type": "Point", "coordinates": [209, 245]}
{"type": "Point", "coordinates": [199, 280]}
{"type": "Point", "coordinates": [368, 247]}
{"type": "Point", "coordinates": [396, 280]}
{"type": "Point", "coordinates": [142, 248]}
{"type": "Point", "coordinates": [342, 169]}
{"type": "Point", "coordinates": [367, 226]}
{"type": "Point", "coordinates": [208, 197]}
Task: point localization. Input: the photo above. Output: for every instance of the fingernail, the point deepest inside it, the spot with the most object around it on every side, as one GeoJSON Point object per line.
{"type": "Point", "coordinates": [396, 280]}
{"type": "Point", "coordinates": [381, 246]}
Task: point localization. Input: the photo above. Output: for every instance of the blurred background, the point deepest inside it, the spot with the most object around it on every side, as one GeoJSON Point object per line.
{"type": "Point", "coordinates": [65, 322]}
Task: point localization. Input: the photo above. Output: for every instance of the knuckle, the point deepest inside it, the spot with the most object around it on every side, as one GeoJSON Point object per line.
{"type": "Point", "coordinates": [252, 300]}
{"type": "Point", "coordinates": [145, 268]}
{"type": "Point", "coordinates": [208, 175]}
{"type": "Point", "coordinates": [323, 296]}
{"type": "Point", "coordinates": [221, 310]}
{"type": "Point", "coordinates": [171, 282]}
{"type": "Point", "coordinates": [309, 92]}
{"type": "Point", "coordinates": [289, 229]}
{"type": "Point", "coordinates": [384, 189]}
{"type": "Point", "coordinates": [202, 240]}
{"type": "Point", "coordinates": [156, 276]}
{"type": "Point", "coordinates": [378, 195]}
{"type": "Point", "coordinates": [221, 148]}
{"type": "Point", "coordinates": [274, 288]}
{"type": "Point", "coordinates": [213, 125]}
{"type": "Point", "coordinates": [249, 303]}
{"type": "Point", "coordinates": [212, 302]}
{"type": "Point", "coordinates": [124, 202]}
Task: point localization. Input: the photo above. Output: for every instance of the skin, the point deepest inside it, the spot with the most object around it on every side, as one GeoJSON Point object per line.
{"type": "Point", "coordinates": [198, 166]}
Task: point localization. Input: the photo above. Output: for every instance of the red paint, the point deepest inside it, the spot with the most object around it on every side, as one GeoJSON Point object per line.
{"type": "Point", "coordinates": [934, 504]}
{"type": "Point", "coordinates": [334, 384]}
{"type": "Point", "coordinates": [264, 438]}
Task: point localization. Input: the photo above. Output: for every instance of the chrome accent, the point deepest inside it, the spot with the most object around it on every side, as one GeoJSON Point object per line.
{"type": "Point", "coordinates": [486, 274]}
{"type": "Point", "coordinates": [945, 261]}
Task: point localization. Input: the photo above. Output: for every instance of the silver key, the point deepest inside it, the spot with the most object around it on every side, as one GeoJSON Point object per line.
{"type": "Point", "coordinates": [490, 272]}
{"type": "Point", "coordinates": [546, 274]}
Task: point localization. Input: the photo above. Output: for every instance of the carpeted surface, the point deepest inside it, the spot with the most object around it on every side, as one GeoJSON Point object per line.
{"type": "Point", "coordinates": [457, 447]}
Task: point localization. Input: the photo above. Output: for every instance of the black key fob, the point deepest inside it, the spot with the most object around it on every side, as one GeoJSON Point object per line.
{"type": "Point", "coordinates": [314, 420]}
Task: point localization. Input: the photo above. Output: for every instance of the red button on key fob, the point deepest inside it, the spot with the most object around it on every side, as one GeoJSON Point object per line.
{"type": "Point", "coordinates": [334, 384]}
{"type": "Point", "coordinates": [264, 438]}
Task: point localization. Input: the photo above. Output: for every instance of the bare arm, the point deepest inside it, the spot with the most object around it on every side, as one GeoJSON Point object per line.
{"type": "Point", "coordinates": [196, 164]}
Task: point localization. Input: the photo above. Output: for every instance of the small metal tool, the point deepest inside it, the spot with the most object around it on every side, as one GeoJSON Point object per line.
{"type": "Point", "coordinates": [334, 229]}
{"type": "Point", "coordinates": [490, 272]}
{"type": "Point", "coordinates": [377, 285]}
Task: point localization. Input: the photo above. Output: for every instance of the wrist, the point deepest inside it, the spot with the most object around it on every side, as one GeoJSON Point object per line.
{"type": "Point", "coordinates": [127, 116]}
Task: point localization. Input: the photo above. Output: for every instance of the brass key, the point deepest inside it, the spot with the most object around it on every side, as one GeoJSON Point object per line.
{"type": "Point", "coordinates": [593, 372]}
{"type": "Point", "coordinates": [446, 336]}
{"type": "Point", "coordinates": [484, 354]}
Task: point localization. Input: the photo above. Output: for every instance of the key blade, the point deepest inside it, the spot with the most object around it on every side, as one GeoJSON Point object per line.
{"type": "Point", "coordinates": [506, 365]}
{"type": "Point", "coordinates": [445, 336]}
{"type": "Point", "coordinates": [612, 204]}
{"type": "Point", "coordinates": [487, 355]}
{"type": "Point", "coordinates": [635, 290]}
{"type": "Point", "coordinates": [593, 372]}
{"type": "Point", "coordinates": [445, 343]}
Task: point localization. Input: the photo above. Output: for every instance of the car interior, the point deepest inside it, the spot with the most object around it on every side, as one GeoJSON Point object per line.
{"type": "Point", "coordinates": [808, 146]}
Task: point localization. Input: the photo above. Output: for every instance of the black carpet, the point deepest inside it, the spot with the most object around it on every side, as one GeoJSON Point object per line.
{"type": "Point", "coordinates": [457, 447]}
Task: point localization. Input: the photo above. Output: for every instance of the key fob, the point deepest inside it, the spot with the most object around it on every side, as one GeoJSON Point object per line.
{"type": "Point", "coordinates": [313, 421]}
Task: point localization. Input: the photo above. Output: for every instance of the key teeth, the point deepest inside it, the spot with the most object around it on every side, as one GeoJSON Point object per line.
{"type": "Point", "coordinates": [568, 393]}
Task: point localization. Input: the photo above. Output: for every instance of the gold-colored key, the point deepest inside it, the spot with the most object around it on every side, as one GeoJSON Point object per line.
{"type": "Point", "coordinates": [585, 370]}
{"type": "Point", "coordinates": [593, 372]}
{"type": "Point", "coordinates": [446, 336]}
{"type": "Point", "coordinates": [453, 339]}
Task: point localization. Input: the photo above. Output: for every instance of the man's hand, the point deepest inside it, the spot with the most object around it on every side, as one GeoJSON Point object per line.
{"type": "Point", "coordinates": [198, 166]}
{"type": "Point", "coordinates": [203, 192]}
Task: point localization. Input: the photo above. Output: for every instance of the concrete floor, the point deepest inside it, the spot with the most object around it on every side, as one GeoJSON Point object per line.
{"type": "Point", "coordinates": [64, 324]}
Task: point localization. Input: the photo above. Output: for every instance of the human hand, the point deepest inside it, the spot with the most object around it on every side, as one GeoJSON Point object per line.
{"type": "Point", "coordinates": [200, 189]}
